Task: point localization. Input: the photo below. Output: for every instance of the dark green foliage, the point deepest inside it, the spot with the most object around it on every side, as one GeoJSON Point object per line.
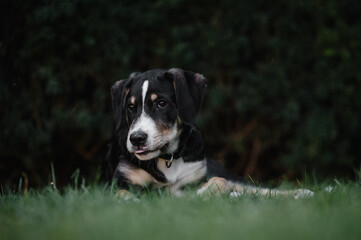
{"type": "Point", "coordinates": [283, 80]}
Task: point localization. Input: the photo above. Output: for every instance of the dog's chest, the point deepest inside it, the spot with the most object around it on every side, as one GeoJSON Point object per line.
{"type": "Point", "coordinates": [180, 171]}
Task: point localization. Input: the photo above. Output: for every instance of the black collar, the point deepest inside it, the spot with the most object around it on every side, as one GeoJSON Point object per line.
{"type": "Point", "coordinates": [169, 157]}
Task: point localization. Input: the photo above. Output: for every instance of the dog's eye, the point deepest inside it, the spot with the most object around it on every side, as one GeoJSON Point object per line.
{"type": "Point", "coordinates": [131, 107]}
{"type": "Point", "coordinates": [162, 104]}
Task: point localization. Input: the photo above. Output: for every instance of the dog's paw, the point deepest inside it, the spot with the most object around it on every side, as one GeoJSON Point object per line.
{"type": "Point", "coordinates": [126, 195]}
{"type": "Point", "coordinates": [235, 194]}
{"type": "Point", "coordinates": [177, 193]}
{"type": "Point", "coordinates": [303, 193]}
{"type": "Point", "coordinates": [329, 188]}
{"type": "Point", "coordinates": [215, 186]}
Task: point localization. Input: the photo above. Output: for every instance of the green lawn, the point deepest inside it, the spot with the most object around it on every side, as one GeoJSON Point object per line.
{"type": "Point", "coordinates": [95, 213]}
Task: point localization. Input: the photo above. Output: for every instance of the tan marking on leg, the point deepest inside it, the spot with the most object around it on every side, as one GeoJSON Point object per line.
{"type": "Point", "coordinates": [140, 177]}
{"type": "Point", "coordinates": [124, 194]}
{"type": "Point", "coordinates": [215, 186]}
{"type": "Point", "coordinates": [136, 176]}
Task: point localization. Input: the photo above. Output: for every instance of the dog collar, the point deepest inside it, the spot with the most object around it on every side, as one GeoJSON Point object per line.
{"type": "Point", "coordinates": [168, 159]}
{"type": "Point", "coordinates": [169, 162]}
{"type": "Point", "coordinates": [177, 154]}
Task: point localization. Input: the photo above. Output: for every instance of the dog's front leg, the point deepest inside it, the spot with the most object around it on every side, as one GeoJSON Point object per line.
{"type": "Point", "coordinates": [175, 190]}
{"type": "Point", "coordinates": [125, 194]}
{"type": "Point", "coordinates": [215, 186]}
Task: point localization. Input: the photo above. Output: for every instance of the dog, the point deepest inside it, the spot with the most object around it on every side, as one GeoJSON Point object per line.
{"type": "Point", "coordinates": [156, 142]}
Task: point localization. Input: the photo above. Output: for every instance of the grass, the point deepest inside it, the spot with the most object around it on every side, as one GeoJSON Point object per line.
{"type": "Point", "coordinates": [96, 213]}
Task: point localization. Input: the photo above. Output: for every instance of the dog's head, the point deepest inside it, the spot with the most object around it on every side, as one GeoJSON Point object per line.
{"type": "Point", "coordinates": [154, 105]}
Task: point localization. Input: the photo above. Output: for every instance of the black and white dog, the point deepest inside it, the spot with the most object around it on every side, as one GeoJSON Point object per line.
{"type": "Point", "coordinates": [155, 140]}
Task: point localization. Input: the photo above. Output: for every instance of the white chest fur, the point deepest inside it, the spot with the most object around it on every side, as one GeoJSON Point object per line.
{"type": "Point", "coordinates": [181, 173]}
{"type": "Point", "coordinates": [178, 175]}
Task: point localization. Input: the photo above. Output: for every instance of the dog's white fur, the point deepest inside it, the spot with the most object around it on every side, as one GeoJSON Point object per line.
{"type": "Point", "coordinates": [182, 173]}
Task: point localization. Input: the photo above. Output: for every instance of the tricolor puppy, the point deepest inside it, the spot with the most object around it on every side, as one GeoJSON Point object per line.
{"type": "Point", "coordinates": [155, 140]}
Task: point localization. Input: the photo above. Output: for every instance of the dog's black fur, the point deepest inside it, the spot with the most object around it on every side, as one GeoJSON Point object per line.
{"type": "Point", "coordinates": [156, 142]}
{"type": "Point", "coordinates": [182, 93]}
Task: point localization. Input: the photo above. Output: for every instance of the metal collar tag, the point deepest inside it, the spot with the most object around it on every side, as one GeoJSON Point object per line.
{"type": "Point", "coordinates": [168, 162]}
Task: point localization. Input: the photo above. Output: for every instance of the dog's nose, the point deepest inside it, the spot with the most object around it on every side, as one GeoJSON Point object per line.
{"type": "Point", "coordinates": [138, 138]}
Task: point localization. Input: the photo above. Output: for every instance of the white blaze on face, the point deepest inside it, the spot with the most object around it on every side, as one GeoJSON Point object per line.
{"type": "Point", "coordinates": [155, 138]}
{"type": "Point", "coordinates": [147, 125]}
{"type": "Point", "coordinates": [144, 92]}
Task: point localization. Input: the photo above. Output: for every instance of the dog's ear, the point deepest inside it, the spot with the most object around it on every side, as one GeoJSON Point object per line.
{"type": "Point", "coordinates": [189, 89]}
{"type": "Point", "coordinates": [119, 93]}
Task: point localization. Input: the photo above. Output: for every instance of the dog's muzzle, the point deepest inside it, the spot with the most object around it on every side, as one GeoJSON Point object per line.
{"type": "Point", "coordinates": [138, 138]}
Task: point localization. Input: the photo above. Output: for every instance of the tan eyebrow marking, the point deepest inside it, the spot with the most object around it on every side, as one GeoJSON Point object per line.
{"type": "Point", "coordinates": [153, 97]}
{"type": "Point", "coordinates": [132, 100]}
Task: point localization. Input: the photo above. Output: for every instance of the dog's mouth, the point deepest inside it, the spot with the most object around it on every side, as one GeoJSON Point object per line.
{"type": "Point", "coordinates": [142, 150]}
{"type": "Point", "coordinates": [144, 153]}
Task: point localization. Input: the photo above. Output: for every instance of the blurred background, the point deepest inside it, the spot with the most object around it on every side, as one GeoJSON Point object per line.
{"type": "Point", "coordinates": [284, 82]}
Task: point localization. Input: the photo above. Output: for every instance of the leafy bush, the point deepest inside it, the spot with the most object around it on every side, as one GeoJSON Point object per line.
{"type": "Point", "coordinates": [283, 81]}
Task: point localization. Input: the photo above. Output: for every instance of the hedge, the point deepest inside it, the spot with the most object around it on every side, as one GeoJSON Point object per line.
{"type": "Point", "coordinates": [283, 81]}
